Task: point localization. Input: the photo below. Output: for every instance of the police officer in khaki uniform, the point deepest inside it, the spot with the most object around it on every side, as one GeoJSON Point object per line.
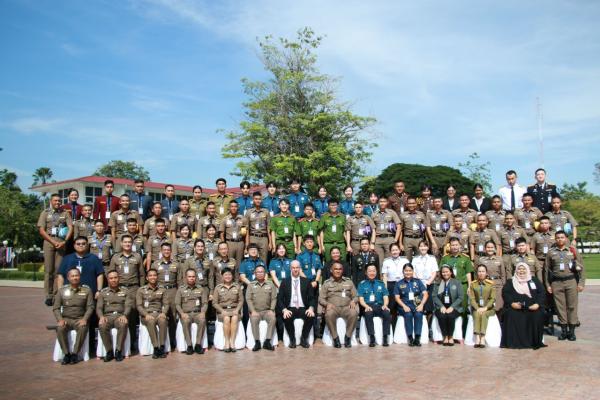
{"type": "Point", "coordinates": [150, 224]}
{"type": "Point", "coordinates": [359, 226]}
{"type": "Point", "coordinates": [136, 238]}
{"type": "Point", "coordinates": [339, 298]}
{"type": "Point", "coordinates": [497, 273]}
{"type": "Point", "coordinates": [191, 302]}
{"type": "Point", "coordinates": [523, 256]}
{"type": "Point", "coordinates": [564, 279]}
{"type": "Point", "coordinates": [508, 236]}
{"type": "Point", "coordinates": [496, 215]}
{"type": "Point", "coordinates": [469, 216]}
{"type": "Point", "coordinates": [221, 199]}
{"type": "Point", "coordinates": [543, 240]}
{"type": "Point", "coordinates": [211, 218]}
{"type": "Point", "coordinates": [528, 216]}
{"type": "Point", "coordinates": [413, 229]}
{"type": "Point", "coordinates": [211, 242]}
{"type": "Point", "coordinates": [261, 297]}
{"type": "Point", "coordinates": [51, 225]}
{"type": "Point", "coordinates": [397, 200]}
{"type": "Point", "coordinates": [183, 217]}
{"type": "Point", "coordinates": [561, 220]}
{"type": "Point", "coordinates": [155, 242]}
{"type": "Point", "coordinates": [84, 226]}
{"type": "Point", "coordinates": [183, 246]}
{"type": "Point", "coordinates": [458, 231]}
{"type": "Point", "coordinates": [219, 264]}
{"type": "Point", "coordinates": [228, 300]}
{"type": "Point", "coordinates": [118, 220]}
{"type": "Point", "coordinates": [153, 307]}
{"type": "Point", "coordinates": [257, 220]}
{"type": "Point", "coordinates": [113, 309]}
{"type": "Point", "coordinates": [438, 222]}
{"type": "Point", "coordinates": [100, 243]}
{"type": "Point", "coordinates": [131, 270]}
{"type": "Point", "coordinates": [480, 237]}
{"type": "Point", "coordinates": [197, 203]}
{"type": "Point", "coordinates": [233, 231]}
{"type": "Point", "coordinates": [167, 269]}
{"type": "Point", "coordinates": [73, 306]}
{"type": "Point", "coordinates": [199, 262]}
{"type": "Point", "coordinates": [387, 230]}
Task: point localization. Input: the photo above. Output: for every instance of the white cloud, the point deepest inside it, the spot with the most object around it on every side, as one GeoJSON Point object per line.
{"type": "Point", "coordinates": [35, 124]}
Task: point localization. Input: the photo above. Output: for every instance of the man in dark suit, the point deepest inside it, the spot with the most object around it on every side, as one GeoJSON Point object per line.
{"type": "Point", "coordinates": [451, 198]}
{"type": "Point", "coordinates": [296, 300]}
{"type": "Point", "coordinates": [107, 204]}
{"type": "Point", "coordinates": [139, 201]}
{"type": "Point", "coordinates": [542, 192]}
{"type": "Point", "coordinates": [170, 205]}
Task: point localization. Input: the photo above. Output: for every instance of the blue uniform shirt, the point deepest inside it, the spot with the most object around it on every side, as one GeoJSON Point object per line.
{"type": "Point", "coordinates": [90, 266]}
{"type": "Point", "coordinates": [297, 202]}
{"type": "Point", "coordinates": [281, 266]}
{"type": "Point", "coordinates": [372, 291]}
{"type": "Point", "coordinates": [370, 209]}
{"type": "Point", "coordinates": [347, 207]}
{"type": "Point", "coordinates": [311, 263]}
{"type": "Point", "coordinates": [404, 288]}
{"type": "Point", "coordinates": [271, 203]}
{"type": "Point", "coordinates": [321, 206]}
{"type": "Point", "coordinates": [248, 266]}
{"type": "Point", "coordinates": [244, 203]}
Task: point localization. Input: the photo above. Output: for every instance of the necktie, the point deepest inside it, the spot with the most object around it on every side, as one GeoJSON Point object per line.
{"type": "Point", "coordinates": [108, 203]}
{"type": "Point", "coordinates": [74, 210]}
{"type": "Point", "coordinates": [512, 197]}
{"type": "Point", "coordinates": [296, 284]}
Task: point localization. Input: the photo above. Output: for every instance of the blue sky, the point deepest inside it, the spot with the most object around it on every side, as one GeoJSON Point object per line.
{"type": "Point", "coordinates": [84, 82]}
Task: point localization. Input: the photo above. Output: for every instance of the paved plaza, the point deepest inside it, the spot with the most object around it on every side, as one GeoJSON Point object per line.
{"type": "Point", "coordinates": [564, 370]}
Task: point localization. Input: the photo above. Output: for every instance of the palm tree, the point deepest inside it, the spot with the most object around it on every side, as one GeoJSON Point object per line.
{"type": "Point", "coordinates": [40, 177]}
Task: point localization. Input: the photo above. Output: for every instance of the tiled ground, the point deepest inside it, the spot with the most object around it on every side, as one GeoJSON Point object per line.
{"type": "Point", "coordinates": [564, 370]}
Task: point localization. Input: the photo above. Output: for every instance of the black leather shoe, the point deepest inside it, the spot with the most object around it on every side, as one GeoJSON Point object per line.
{"type": "Point", "coordinates": [385, 341]}
{"type": "Point", "coordinates": [198, 349]}
{"type": "Point", "coordinates": [66, 359]}
{"type": "Point", "coordinates": [109, 356]}
{"type": "Point", "coordinates": [119, 356]}
{"type": "Point", "coordinates": [162, 352]}
{"type": "Point", "coordinates": [267, 345]}
{"type": "Point", "coordinates": [228, 350]}
{"type": "Point", "coordinates": [156, 353]}
{"type": "Point", "coordinates": [563, 333]}
{"type": "Point", "coordinates": [48, 302]}
{"type": "Point", "coordinates": [232, 350]}
{"type": "Point", "coordinates": [189, 351]}
{"type": "Point", "coordinates": [292, 344]}
{"type": "Point", "coordinates": [256, 345]}
{"type": "Point", "coordinates": [417, 341]}
{"type": "Point", "coordinates": [571, 335]}
{"type": "Point", "coordinates": [304, 343]}
{"type": "Point", "coordinates": [74, 359]}
{"type": "Point", "coordinates": [336, 343]}
{"type": "Point", "coordinates": [347, 342]}
{"type": "Point", "coordinates": [411, 342]}
{"type": "Point", "coordinates": [371, 340]}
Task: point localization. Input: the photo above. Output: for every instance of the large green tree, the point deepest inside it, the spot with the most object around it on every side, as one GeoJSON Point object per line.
{"type": "Point", "coordinates": [295, 125]}
{"type": "Point", "coordinates": [577, 191]}
{"type": "Point", "coordinates": [414, 176]}
{"type": "Point", "coordinates": [8, 179]}
{"type": "Point", "coordinates": [18, 215]}
{"type": "Point", "coordinates": [123, 169]}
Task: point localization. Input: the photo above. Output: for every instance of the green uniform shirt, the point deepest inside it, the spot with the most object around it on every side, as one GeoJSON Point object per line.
{"type": "Point", "coordinates": [461, 265]}
{"type": "Point", "coordinates": [283, 226]}
{"type": "Point", "coordinates": [333, 228]}
{"type": "Point", "coordinates": [305, 227]}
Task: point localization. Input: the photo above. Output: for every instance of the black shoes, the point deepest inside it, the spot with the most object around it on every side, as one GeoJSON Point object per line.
{"type": "Point", "coordinates": [385, 341]}
{"type": "Point", "coordinates": [162, 353]}
{"type": "Point", "coordinates": [304, 343]}
{"type": "Point", "coordinates": [347, 342]}
{"type": "Point", "coordinates": [156, 353]}
{"type": "Point", "coordinates": [109, 356]}
{"type": "Point", "coordinates": [198, 349]}
{"type": "Point", "coordinates": [119, 356]}
{"type": "Point", "coordinates": [256, 345]}
{"type": "Point", "coordinates": [66, 359]}
{"type": "Point", "coordinates": [417, 341]}
{"type": "Point", "coordinates": [189, 351]}
{"type": "Point", "coordinates": [336, 343]}
{"type": "Point", "coordinates": [571, 335]}
{"type": "Point", "coordinates": [563, 333]}
{"type": "Point", "coordinates": [411, 342]}
{"type": "Point", "coordinates": [48, 302]}
{"type": "Point", "coordinates": [74, 359]}
{"type": "Point", "coordinates": [267, 345]}
{"type": "Point", "coordinates": [292, 343]}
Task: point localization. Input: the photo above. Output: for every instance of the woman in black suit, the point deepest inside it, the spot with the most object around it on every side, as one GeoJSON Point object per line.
{"type": "Point", "coordinates": [479, 202]}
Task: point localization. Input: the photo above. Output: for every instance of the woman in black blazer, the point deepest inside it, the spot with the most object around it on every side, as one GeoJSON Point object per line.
{"type": "Point", "coordinates": [479, 202]}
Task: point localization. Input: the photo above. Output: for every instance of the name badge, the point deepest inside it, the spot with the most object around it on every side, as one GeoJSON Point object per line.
{"type": "Point", "coordinates": [480, 302]}
{"type": "Point", "coordinates": [527, 225]}
{"type": "Point", "coordinates": [286, 229]}
{"type": "Point", "coordinates": [146, 304]}
{"type": "Point", "coordinates": [372, 298]}
{"type": "Point", "coordinates": [562, 266]}
{"type": "Point", "coordinates": [167, 277]}
{"type": "Point", "coordinates": [437, 226]}
{"type": "Point", "coordinates": [200, 275]}
{"type": "Point", "coordinates": [211, 256]}
{"type": "Point", "coordinates": [257, 226]}
{"type": "Point", "coordinates": [140, 210]}
{"type": "Point", "coordinates": [545, 249]}
{"type": "Point", "coordinates": [454, 270]}
{"type": "Point", "coordinates": [282, 274]}
{"type": "Point", "coordinates": [415, 227]}
{"type": "Point", "coordinates": [54, 231]}
{"type": "Point", "coordinates": [197, 302]}
{"type": "Point", "coordinates": [187, 256]}
{"type": "Point", "coordinates": [271, 213]}
{"type": "Point", "coordinates": [382, 227]}
{"type": "Point", "coordinates": [234, 235]}
{"type": "Point", "coordinates": [100, 254]}
{"type": "Point", "coordinates": [532, 285]}
{"type": "Point", "coordinates": [310, 232]}
{"type": "Point", "coordinates": [401, 209]}
{"type": "Point", "coordinates": [170, 217]}
{"type": "Point", "coordinates": [67, 292]}
{"type": "Point", "coordinates": [497, 227]}
{"type": "Point", "coordinates": [511, 243]}
{"type": "Point", "coordinates": [126, 269]}
{"type": "Point", "coordinates": [344, 293]}
{"type": "Point", "coordinates": [464, 225]}
{"type": "Point", "coordinates": [446, 299]}
{"type": "Point", "coordinates": [480, 247]}
{"type": "Point", "coordinates": [107, 215]}
{"type": "Point", "coordinates": [297, 208]}
{"type": "Point", "coordinates": [79, 267]}
{"type": "Point", "coordinates": [361, 231]}
{"type": "Point", "coordinates": [312, 270]}
{"type": "Point", "coordinates": [221, 210]}
{"type": "Point", "coordinates": [334, 228]}
{"type": "Point", "coordinates": [133, 247]}
{"type": "Point", "coordinates": [411, 296]}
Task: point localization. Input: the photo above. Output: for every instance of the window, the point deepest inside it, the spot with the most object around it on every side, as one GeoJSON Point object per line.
{"type": "Point", "coordinates": [64, 195]}
{"type": "Point", "coordinates": [157, 196]}
{"type": "Point", "coordinates": [91, 193]}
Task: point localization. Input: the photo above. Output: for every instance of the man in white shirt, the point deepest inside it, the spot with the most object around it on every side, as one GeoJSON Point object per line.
{"type": "Point", "coordinates": [512, 193]}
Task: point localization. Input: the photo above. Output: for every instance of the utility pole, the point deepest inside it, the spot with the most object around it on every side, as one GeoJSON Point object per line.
{"type": "Point", "coordinates": [540, 133]}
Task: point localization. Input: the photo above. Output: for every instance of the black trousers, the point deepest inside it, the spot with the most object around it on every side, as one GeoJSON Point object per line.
{"type": "Point", "coordinates": [289, 323]}
{"type": "Point", "coordinates": [446, 322]}
{"type": "Point", "coordinates": [392, 305]}
{"type": "Point", "coordinates": [385, 315]}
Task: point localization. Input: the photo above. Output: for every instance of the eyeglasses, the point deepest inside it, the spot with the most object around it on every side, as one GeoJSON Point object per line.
{"type": "Point", "coordinates": [80, 244]}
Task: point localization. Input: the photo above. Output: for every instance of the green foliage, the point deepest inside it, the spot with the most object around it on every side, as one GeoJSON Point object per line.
{"type": "Point", "coordinates": [597, 173]}
{"type": "Point", "coordinates": [18, 217]}
{"type": "Point", "coordinates": [8, 180]}
{"type": "Point", "coordinates": [294, 124]}
{"type": "Point", "coordinates": [21, 275]}
{"type": "Point", "coordinates": [577, 191]}
{"type": "Point", "coordinates": [123, 169]}
{"type": "Point", "coordinates": [415, 175]}
{"type": "Point", "coordinates": [30, 267]}
{"type": "Point", "coordinates": [477, 171]}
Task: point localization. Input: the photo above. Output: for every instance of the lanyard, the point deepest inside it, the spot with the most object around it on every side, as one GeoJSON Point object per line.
{"type": "Point", "coordinates": [100, 245]}
{"type": "Point", "coordinates": [446, 289]}
{"type": "Point", "coordinates": [481, 291]}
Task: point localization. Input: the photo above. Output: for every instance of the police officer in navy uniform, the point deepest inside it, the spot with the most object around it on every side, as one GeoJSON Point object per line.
{"type": "Point", "coordinates": [542, 192]}
{"type": "Point", "coordinates": [373, 297]}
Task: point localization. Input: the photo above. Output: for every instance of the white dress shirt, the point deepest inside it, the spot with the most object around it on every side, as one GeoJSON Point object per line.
{"type": "Point", "coordinates": [296, 300]}
{"type": "Point", "coordinates": [425, 266]}
{"type": "Point", "coordinates": [392, 267]}
{"type": "Point", "coordinates": [504, 193]}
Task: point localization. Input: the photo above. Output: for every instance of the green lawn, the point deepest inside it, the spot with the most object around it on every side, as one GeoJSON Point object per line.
{"type": "Point", "coordinates": [591, 263]}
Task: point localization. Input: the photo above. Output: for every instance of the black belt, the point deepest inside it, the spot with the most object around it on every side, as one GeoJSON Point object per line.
{"type": "Point", "coordinates": [510, 252]}
{"type": "Point", "coordinates": [167, 286]}
{"type": "Point", "coordinates": [333, 243]}
{"type": "Point", "coordinates": [385, 235]}
{"type": "Point", "coordinates": [234, 240]}
{"type": "Point", "coordinates": [439, 234]}
{"type": "Point", "coordinates": [259, 235]}
{"type": "Point", "coordinates": [132, 285]}
{"type": "Point", "coordinates": [413, 236]}
{"type": "Point", "coordinates": [562, 278]}
{"type": "Point", "coordinates": [284, 239]}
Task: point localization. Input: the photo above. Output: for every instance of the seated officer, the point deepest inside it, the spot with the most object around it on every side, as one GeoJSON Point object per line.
{"type": "Point", "coordinates": [191, 302]}
{"type": "Point", "coordinates": [338, 298]}
{"type": "Point", "coordinates": [113, 309]}
{"type": "Point", "coordinates": [167, 279]}
{"type": "Point", "coordinates": [152, 305]}
{"type": "Point", "coordinates": [373, 297]}
{"type": "Point", "coordinates": [73, 306]}
{"type": "Point", "coordinates": [261, 297]}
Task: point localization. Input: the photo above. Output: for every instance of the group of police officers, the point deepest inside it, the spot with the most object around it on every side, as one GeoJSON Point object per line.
{"type": "Point", "coordinates": [196, 260]}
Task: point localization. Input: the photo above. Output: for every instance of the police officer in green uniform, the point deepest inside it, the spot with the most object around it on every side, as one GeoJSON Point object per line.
{"type": "Point", "coordinates": [332, 227]}
{"type": "Point", "coordinates": [307, 225]}
{"type": "Point", "coordinates": [283, 226]}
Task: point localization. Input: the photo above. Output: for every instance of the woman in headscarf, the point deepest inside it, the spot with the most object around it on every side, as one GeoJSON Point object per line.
{"type": "Point", "coordinates": [482, 297]}
{"type": "Point", "coordinates": [524, 295]}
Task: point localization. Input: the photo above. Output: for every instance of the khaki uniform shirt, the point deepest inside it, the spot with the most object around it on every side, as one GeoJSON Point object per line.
{"type": "Point", "coordinates": [204, 223]}
{"type": "Point", "coordinates": [151, 300]}
{"type": "Point", "coordinates": [339, 293]}
{"type": "Point", "coordinates": [101, 248]}
{"type": "Point", "coordinates": [180, 219]}
{"type": "Point", "coordinates": [480, 238]}
{"type": "Point", "coordinates": [261, 296]}
{"type": "Point", "coordinates": [232, 227]}
{"type": "Point", "coordinates": [72, 303]}
{"type": "Point", "coordinates": [153, 245]}
{"type": "Point", "coordinates": [228, 298]}
{"type": "Point", "coordinates": [221, 203]}
{"type": "Point", "coordinates": [167, 272]}
{"type": "Point", "coordinates": [131, 269]}
{"type": "Point", "coordinates": [257, 221]}
{"type": "Point", "coordinates": [469, 216]}
{"type": "Point", "coordinates": [113, 301]}
{"type": "Point", "coordinates": [200, 265]}
{"type": "Point", "coordinates": [411, 223]}
{"type": "Point", "coordinates": [541, 243]}
{"type": "Point", "coordinates": [83, 227]}
{"type": "Point", "coordinates": [356, 226]}
{"type": "Point", "coordinates": [509, 236]}
{"type": "Point", "coordinates": [526, 219]}
{"type": "Point", "coordinates": [382, 220]}
{"type": "Point", "coordinates": [52, 220]}
{"type": "Point", "coordinates": [118, 221]}
{"type": "Point", "coordinates": [561, 264]}
{"type": "Point", "coordinates": [435, 220]}
{"type": "Point", "coordinates": [191, 299]}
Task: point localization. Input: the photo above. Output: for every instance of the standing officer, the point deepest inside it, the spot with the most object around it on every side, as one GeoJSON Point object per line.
{"type": "Point", "coordinates": [150, 224]}
{"type": "Point", "coordinates": [308, 225]}
{"type": "Point", "coordinates": [412, 230]}
{"type": "Point", "coordinates": [397, 201]}
{"type": "Point", "coordinates": [438, 222]}
{"type": "Point", "coordinates": [561, 220]}
{"type": "Point", "coordinates": [261, 297]}
{"type": "Point", "coordinates": [155, 242]}
{"type": "Point", "coordinates": [72, 206]}
{"type": "Point", "coordinates": [51, 225]}
{"type": "Point", "coordinates": [167, 269]}
{"type": "Point", "coordinates": [461, 266]}
{"type": "Point", "coordinates": [106, 204]}
{"type": "Point", "coordinates": [181, 218]}
{"type": "Point", "coordinates": [339, 299]}
{"type": "Point", "coordinates": [512, 193]}
{"type": "Point", "coordinates": [191, 303]}
{"type": "Point", "coordinates": [197, 203]}
{"type": "Point", "coordinates": [332, 228]}
{"type": "Point", "coordinates": [153, 307]}
{"type": "Point", "coordinates": [257, 220]}
{"type": "Point", "coordinates": [113, 309]}
{"type": "Point", "coordinates": [184, 245]}
{"type": "Point", "coordinates": [522, 255]}
{"type": "Point", "coordinates": [100, 243]}
{"type": "Point", "coordinates": [211, 218]}
{"type": "Point", "coordinates": [271, 202]}
{"type": "Point", "coordinates": [542, 240]}
{"type": "Point", "coordinates": [321, 203]}
{"type": "Point", "coordinates": [528, 216]}
{"type": "Point", "coordinates": [373, 297]}
{"type": "Point", "coordinates": [137, 238]}
{"type": "Point", "coordinates": [170, 205]}
{"type": "Point", "coordinates": [139, 201]}
{"type": "Point", "coordinates": [73, 306]}
{"type": "Point", "coordinates": [373, 206]}
{"type": "Point", "coordinates": [542, 192]}
{"type": "Point", "coordinates": [480, 237]}
{"type": "Point", "coordinates": [496, 214]}
{"type": "Point", "coordinates": [84, 225]}
{"type": "Point", "coordinates": [199, 263]}
{"type": "Point", "coordinates": [282, 227]}
{"type": "Point", "coordinates": [130, 268]}
{"type": "Point", "coordinates": [233, 231]}
{"type": "Point", "coordinates": [244, 201]}
{"type": "Point", "coordinates": [361, 259]}
{"type": "Point", "coordinates": [347, 205]}
{"type": "Point", "coordinates": [564, 279]}
{"type": "Point", "coordinates": [220, 263]}
{"type": "Point", "coordinates": [459, 231]}
{"type": "Point", "coordinates": [247, 274]}
{"type": "Point", "coordinates": [221, 198]}
{"type": "Point", "coordinates": [357, 227]}
{"type": "Point", "coordinates": [509, 236]}
{"type": "Point", "coordinates": [386, 229]}
{"type": "Point", "coordinates": [469, 216]}
{"type": "Point", "coordinates": [118, 220]}
{"type": "Point", "coordinates": [297, 199]}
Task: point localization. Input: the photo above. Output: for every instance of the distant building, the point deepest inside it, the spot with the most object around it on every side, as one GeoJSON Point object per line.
{"type": "Point", "coordinates": [91, 186]}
